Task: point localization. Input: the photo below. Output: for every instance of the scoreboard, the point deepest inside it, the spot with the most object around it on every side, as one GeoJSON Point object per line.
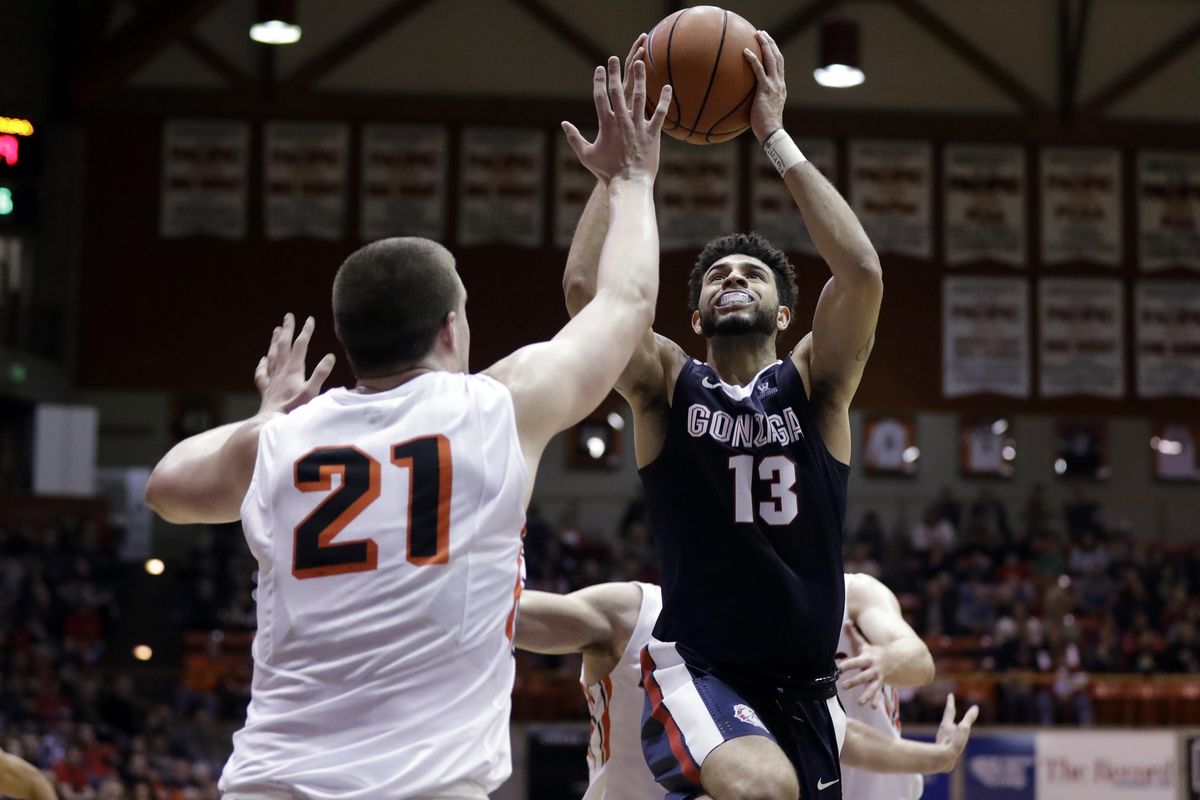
{"type": "Point", "coordinates": [19, 161]}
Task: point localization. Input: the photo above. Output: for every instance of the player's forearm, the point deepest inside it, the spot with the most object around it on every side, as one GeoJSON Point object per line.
{"type": "Point", "coordinates": [628, 264]}
{"type": "Point", "coordinates": [835, 230]}
{"type": "Point", "coordinates": [870, 749]}
{"type": "Point", "coordinates": [583, 259]}
{"type": "Point", "coordinates": [197, 480]}
{"type": "Point", "coordinates": [24, 781]}
{"type": "Point", "coordinates": [908, 663]}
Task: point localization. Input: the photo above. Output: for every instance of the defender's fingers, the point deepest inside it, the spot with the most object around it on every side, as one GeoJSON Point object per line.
{"type": "Point", "coordinates": [600, 94]}
{"type": "Point", "coordinates": [575, 139]}
{"type": "Point", "coordinates": [949, 714]}
{"type": "Point", "coordinates": [857, 662]}
{"type": "Point", "coordinates": [300, 346]}
{"type": "Point", "coordinates": [320, 373]}
{"type": "Point", "coordinates": [616, 92]}
{"type": "Point", "coordinates": [871, 693]}
{"type": "Point", "coordinates": [969, 718]}
{"type": "Point", "coordinates": [273, 348]}
{"type": "Point", "coordinates": [660, 111]}
{"type": "Point", "coordinates": [260, 374]}
{"type": "Point", "coordinates": [637, 106]}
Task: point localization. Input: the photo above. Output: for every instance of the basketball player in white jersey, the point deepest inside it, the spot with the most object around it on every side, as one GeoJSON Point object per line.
{"type": "Point", "coordinates": [386, 519]}
{"type": "Point", "coordinates": [611, 622]}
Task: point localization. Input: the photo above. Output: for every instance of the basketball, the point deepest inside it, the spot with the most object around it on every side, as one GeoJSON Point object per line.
{"type": "Point", "coordinates": [698, 51]}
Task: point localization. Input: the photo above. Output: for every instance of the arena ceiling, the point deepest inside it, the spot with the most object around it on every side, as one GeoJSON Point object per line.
{"type": "Point", "coordinates": [1071, 62]}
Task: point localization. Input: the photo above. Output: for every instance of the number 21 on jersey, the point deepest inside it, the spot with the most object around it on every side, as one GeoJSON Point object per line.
{"type": "Point", "coordinates": [428, 462]}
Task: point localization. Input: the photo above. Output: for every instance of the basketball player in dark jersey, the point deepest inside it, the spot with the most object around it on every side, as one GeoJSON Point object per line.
{"type": "Point", "coordinates": [745, 462]}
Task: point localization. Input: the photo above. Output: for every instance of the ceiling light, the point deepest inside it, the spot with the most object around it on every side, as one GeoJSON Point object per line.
{"type": "Point", "coordinates": [275, 22]}
{"type": "Point", "coordinates": [838, 66]}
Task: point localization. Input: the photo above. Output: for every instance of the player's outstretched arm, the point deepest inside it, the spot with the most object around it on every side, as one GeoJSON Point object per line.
{"type": "Point", "coordinates": [21, 780]}
{"type": "Point", "coordinates": [557, 383]}
{"type": "Point", "coordinates": [844, 325]}
{"type": "Point", "coordinates": [205, 477]}
{"type": "Point", "coordinates": [599, 617]}
{"type": "Point", "coordinates": [888, 651]}
{"type": "Point", "coordinates": [873, 750]}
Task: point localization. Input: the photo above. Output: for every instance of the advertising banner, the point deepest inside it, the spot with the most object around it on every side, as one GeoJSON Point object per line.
{"type": "Point", "coordinates": [501, 186]}
{"type": "Point", "coordinates": [985, 336]}
{"type": "Point", "coordinates": [891, 183]}
{"type": "Point", "coordinates": [697, 194]}
{"type": "Point", "coordinates": [205, 163]}
{"type": "Point", "coordinates": [305, 189]}
{"type": "Point", "coordinates": [1081, 334]}
{"type": "Point", "coordinates": [985, 204]}
{"type": "Point", "coordinates": [1000, 767]}
{"type": "Point", "coordinates": [403, 181]}
{"type": "Point", "coordinates": [1081, 205]}
{"type": "Point", "coordinates": [1102, 765]}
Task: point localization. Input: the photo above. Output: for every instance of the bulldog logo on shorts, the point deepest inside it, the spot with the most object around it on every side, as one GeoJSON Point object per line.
{"type": "Point", "coordinates": [746, 714]}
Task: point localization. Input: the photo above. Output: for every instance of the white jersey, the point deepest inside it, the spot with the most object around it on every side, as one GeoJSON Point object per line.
{"type": "Point", "coordinates": [387, 529]}
{"type": "Point", "coordinates": [616, 767]}
{"type": "Point", "coordinates": [859, 784]}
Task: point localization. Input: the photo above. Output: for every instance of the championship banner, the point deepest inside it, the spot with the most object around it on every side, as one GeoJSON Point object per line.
{"type": "Point", "coordinates": [1081, 324]}
{"type": "Point", "coordinates": [1000, 767]}
{"type": "Point", "coordinates": [1167, 332]}
{"type": "Point", "coordinates": [502, 180]}
{"type": "Point", "coordinates": [305, 191]}
{"type": "Point", "coordinates": [1124, 765]}
{"type": "Point", "coordinates": [985, 204]}
{"type": "Point", "coordinates": [573, 185]}
{"type": "Point", "coordinates": [403, 182]}
{"type": "Point", "coordinates": [773, 212]}
{"type": "Point", "coordinates": [1081, 205]}
{"type": "Point", "coordinates": [204, 178]}
{"type": "Point", "coordinates": [985, 336]}
{"type": "Point", "coordinates": [890, 189]}
{"type": "Point", "coordinates": [1168, 210]}
{"type": "Point", "coordinates": [697, 194]}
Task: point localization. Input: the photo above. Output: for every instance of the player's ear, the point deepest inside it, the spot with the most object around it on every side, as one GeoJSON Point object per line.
{"type": "Point", "coordinates": [696, 323]}
{"type": "Point", "coordinates": [447, 333]}
{"type": "Point", "coordinates": [783, 318]}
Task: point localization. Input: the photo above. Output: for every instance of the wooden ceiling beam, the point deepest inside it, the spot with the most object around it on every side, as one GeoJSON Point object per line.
{"type": "Point", "coordinates": [583, 44]}
{"type": "Point", "coordinates": [233, 75]}
{"type": "Point", "coordinates": [141, 39]}
{"type": "Point", "coordinates": [973, 56]}
{"type": "Point", "coordinates": [1145, 69]}
{"type": "Point", "coordinates": [354, 42]}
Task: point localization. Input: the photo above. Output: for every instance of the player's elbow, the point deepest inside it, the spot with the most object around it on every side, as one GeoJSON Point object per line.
{"type": "Point", "coordinates": [575, 292]}
{"type": "Point", "coordinates": [162, 496]}
{"type": "Point", "coordinates": [923, 669]}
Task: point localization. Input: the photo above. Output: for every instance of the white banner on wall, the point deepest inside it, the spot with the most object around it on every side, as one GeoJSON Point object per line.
{"type": "Point", "coordinates": [697, 194]}
{"type": "Point", "coordinates": [501, 186]}
{"type": "Point", "coordinates": [1081, 325]}
{"type": "Point", "coordinates": [985, 336]}
{"type": "Point", "coordinates": [1081, 205]}
{"type": "Point", "coordinates": [305, 190]}
{"type": "Point", "coordinates": [1116, 765]}
{"type": "Point", "coordinates": [573, 185]}
{"type": "Point", "coordinates": [403, 181]}
{"type": "Point", "coordinates": [1168, 210]}
{"type": "Point", "coordinates": [205, 163]}
{"type": "Point", "coordinates": [773, 212]}
{"type": "Point", "coordinates": [1167, 332]}
{"type": "Point", "coordinates": [985, 204]}
{"type": "Point", "coordinates": [891, 192]}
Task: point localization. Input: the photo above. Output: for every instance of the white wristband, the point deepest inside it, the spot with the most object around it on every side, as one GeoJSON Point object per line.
{"type": "Point", "coordinates": [782, 151]}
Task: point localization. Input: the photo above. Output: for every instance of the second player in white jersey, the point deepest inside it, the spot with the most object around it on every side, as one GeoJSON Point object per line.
{"type": "Point", "coordinates": [609, 624]}
{"type": "Point", "coordinates": [379, 650]}
{"type": "Point", "coordinates": [883, 716]}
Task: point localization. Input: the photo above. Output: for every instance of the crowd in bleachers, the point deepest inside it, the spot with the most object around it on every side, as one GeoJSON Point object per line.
{"type": "Point", "coordinates": [1047, 594]}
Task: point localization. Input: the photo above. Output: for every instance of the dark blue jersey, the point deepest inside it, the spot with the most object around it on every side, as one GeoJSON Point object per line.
{"type": "Point", "coordinates": [746, 508]}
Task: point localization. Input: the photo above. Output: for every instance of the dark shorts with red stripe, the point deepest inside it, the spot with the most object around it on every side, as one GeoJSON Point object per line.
{"type": "Point", "coordinates": [689, 711]}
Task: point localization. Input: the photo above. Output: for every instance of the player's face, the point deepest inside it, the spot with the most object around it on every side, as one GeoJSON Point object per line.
{"type": "Point", "coordinates": [738, 296]}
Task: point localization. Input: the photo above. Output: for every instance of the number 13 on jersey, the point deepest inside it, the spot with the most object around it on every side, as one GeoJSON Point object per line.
{"type": "Point", "coordinates": [779, 473]}
{"type": "Point", "coordinates": [428, 462]}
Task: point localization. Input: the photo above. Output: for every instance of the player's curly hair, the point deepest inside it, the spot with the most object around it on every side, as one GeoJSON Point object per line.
{"type": "Point", "coordinates": [390, 297]}
{"type": "Point", "coordinates": [748, 244]}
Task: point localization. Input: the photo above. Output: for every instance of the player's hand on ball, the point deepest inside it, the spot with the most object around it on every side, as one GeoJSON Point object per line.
{"type": "Point", "coordinates": [766, 114]}
{"type": "Point", "coordinates": [953, 735]}
{"type": "Point", "coordinates": [636, 53]}
{"type": "Point", "coordinates": [868, 661]}
{"type": "Point", "coordinates": [627, 143]}
{"type": "Point", "coordinates": [279, 377]}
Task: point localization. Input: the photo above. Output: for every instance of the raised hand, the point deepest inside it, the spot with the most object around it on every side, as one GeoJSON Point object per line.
{"type": "Point", "coordinates": [636, 53]}
{"type": "Point", "coordinates": [766, 114]}
{"type": "Point", "coordinates": [953, 735]}
{"type": "Point", "coordinates": [627, 143]}
{"type": "Point", "coordinates": [279, 376]}
{"type": "Point", "coordinates": [869, 661]}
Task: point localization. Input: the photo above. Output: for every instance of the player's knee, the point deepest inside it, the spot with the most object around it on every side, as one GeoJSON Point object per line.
{"type": "Point", "coordinates": [764, 785]}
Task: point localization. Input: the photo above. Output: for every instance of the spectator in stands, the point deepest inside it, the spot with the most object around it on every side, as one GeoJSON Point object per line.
{"type": "Point", "coordinates": [930, 530]}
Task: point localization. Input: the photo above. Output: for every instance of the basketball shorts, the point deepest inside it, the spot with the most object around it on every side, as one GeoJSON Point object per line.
{"type": "Point", "coordinates": [689, 711]}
